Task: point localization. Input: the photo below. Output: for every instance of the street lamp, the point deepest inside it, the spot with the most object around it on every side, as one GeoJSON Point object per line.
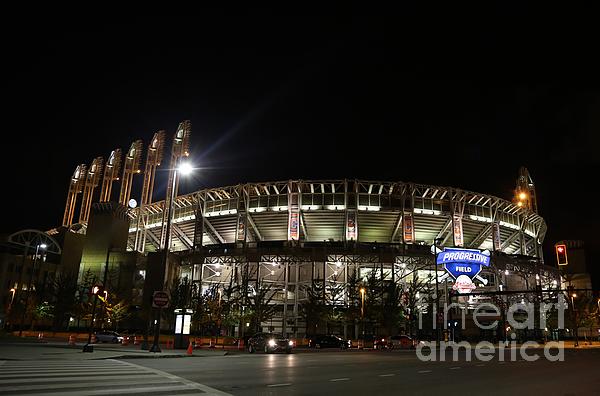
{"type": "Point", "coordinates": [12, 290]}
{"type": "Point", "coordinates": [185, 169]}
{"type": "Point", "coordinates": [88, 347]}
{"type": "Point", "coordinates": [42, 246]}
{"type": "Point", "coordinates": [362, 312]}
{"type": "Point", "coordinates": [362, 305]}
{"type": "Point", "coordinates": [576, 325]}
{"type": "Point", "coordinates": [437, 291]}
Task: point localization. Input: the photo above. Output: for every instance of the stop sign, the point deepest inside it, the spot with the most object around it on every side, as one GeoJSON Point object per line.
{"type": "Point", "coordinates": [160, 299]}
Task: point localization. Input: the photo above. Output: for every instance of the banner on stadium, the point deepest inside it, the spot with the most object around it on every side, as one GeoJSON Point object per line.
{"type": "Point", "coordinates": [409, 229]}
{"type": "Point", "coordinates": [293, 226]}
{"type": "Point", "coordinates": [496, 235]}
{"type": "Point", "coordinates": [241, 227]}
{"type": "Point", "coordinates": [351, 226]}
{"type": "Point", "coordinates": [458, 230]}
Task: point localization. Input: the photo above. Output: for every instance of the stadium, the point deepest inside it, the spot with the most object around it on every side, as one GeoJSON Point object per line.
{"type": "Point", "coordinates": [292, 234]}
{"type": "Point", "coordinates": [348, 245]}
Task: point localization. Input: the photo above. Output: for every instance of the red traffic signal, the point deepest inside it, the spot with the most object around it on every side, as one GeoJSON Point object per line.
{"type": "Point", "coordinates": [561, 254]}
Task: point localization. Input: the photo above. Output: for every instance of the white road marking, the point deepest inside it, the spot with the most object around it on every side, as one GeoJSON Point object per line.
{"type": "Point", "coordinates": [100, 377]}
{"type": "Point", "coordinates": [480, 365]}
{"type": "Point", "coordinates": [454, 368]}
{"type": "Point", "coordinates": [339, 379]}
{"type": "Point", "coordinates": [386, 375]}
{"type": "Point", "coordinates": [424, 371]}
{"type": "Point", "coordinates": [276, 385]}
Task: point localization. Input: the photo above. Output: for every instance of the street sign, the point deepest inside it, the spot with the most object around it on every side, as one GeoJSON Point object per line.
{"type": "Point", "coordinates": [160, 299]}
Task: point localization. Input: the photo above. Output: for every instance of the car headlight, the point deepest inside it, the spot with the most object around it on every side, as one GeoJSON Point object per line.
{"type": "Point", "coordinates": [272, 343]}
{"type": "Point", "coordinates": [291, 343]}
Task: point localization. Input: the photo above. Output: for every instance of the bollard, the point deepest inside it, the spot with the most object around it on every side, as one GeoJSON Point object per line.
{"type": "Point", "coordinates": [94, 339]}
{"type": "Point", "coordinates": [136, 340]}
{"type": "Point", "coordinates": [41, 335]}
{"type": "Point", "coordinates": [125, 341]}
{"type": "Point", "coordinates": [71, 339]}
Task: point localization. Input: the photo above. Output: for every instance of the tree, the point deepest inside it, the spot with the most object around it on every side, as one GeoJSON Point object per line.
{"type": "Point", "coordinates": [313, 310]}
{"type": "Point", "coordinates": [118, 312]}
{"type": "Point", "coordinates": [42, 311]}
{"type": "Point", "coordinates": [82, 309]}
{"type": "Point", "coordinates": [62, 294]}
{"type": "Point", "coordinates": [411, 297]}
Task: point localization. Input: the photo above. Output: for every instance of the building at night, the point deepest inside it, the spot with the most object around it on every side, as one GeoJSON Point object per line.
{"type": "Point", "coordinates": [285, 239]}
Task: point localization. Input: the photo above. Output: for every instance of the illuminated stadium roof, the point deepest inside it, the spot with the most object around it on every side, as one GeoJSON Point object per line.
{"type": "Point", "coordinates": [323, 207]}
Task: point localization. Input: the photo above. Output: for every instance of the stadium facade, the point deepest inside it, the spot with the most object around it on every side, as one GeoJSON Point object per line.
{"type": "Point", "coordinates": [290, 235]}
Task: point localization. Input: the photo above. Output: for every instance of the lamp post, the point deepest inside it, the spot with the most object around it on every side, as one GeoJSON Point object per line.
{"type": "Point", "coordinates": [362, 311]}
{"type": "Point", "coordinates": [184, 169]}
{"type": "Point", "coordinates": [42, 246]}
{"type": "Point", "coordinates": [437, 292]}
{"type": "Point", "coordinates": [12, 290]}
{"type": "Point", "coordinates": [575, 325]}
{"type": "Point", "coordinates": [88, 347]}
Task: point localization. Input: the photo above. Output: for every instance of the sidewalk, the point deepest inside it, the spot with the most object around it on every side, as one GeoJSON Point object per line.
{"type": "Point", "coordinates": [59, 351]}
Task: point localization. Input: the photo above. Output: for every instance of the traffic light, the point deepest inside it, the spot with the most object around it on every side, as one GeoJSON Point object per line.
{"type": "Point", "coordinates": [561, 254]}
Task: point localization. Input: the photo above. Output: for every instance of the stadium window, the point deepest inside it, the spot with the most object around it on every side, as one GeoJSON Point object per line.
{"type": "Point", "coordinates": [418, 203]}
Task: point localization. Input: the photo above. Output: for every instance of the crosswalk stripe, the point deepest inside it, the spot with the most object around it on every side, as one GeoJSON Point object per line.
{"type": "Point", "coordinates": [23, 388]}
{"type": "Point", "coordinates": [68, 378]}
{"type": "Point", "coordinates": [102, 377]}
{"type": "Point", "coordinates": [54, 374]}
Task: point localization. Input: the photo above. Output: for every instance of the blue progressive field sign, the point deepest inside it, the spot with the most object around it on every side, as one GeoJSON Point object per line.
{"type": "Point", "coordinates": [463, 261]}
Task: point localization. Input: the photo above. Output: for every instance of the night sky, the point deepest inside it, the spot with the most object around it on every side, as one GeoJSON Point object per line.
{"type": "Point", "coordinates": [408, 97]}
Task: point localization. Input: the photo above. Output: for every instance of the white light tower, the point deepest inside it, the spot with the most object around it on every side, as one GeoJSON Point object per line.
{"type": "Point", "coordinates": [184, 169]}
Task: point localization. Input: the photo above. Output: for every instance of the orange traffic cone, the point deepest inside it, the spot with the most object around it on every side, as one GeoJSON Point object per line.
{"type": "Point", "coordinates": [190, 349]}
{"type": "Point", "coordinates": [71, 339]}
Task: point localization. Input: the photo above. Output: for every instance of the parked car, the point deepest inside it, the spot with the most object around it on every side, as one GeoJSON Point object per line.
{"type": "Point", "coordinates": [269, 342]}
{"type": "Point", "coordinates": [109, 336]}
{"type": "Point", "coordinates": [396, 342]}
{"type": "Point", "coordinates": [328, 341]}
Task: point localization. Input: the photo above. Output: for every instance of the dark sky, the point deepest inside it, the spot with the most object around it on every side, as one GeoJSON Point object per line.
{"type": "Point", "coordinates": [409, 96]}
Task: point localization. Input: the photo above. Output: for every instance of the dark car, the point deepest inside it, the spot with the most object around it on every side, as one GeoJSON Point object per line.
{"type": "Point", "coordinates": [328, 341]}
{"type": "Point", "coordinates": [269, 342]}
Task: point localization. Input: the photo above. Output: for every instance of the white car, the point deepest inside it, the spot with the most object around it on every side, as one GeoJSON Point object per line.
{"type": "Point", "coordinates": [109, 336]}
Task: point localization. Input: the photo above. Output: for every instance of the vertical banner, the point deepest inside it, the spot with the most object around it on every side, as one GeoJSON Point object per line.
{"type": "Point", "coordinates": [351, 226]}
{"type": "Point", "coordinates": [293, 226]}
{"type": "Point", "coordinates": [241, 227]}
{"type": "Point", "coordinates": [458, 230]}
{"type": "Point", "coordinates": [497, 241]}
{"type": "Point", "coordinates": [409, 229]}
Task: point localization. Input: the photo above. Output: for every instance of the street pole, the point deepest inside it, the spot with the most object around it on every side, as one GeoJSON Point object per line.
{"type": "Point", "coordinates": [89, 347]}
{"type": "Point", "coordinates": [155, 345]}
{"type": "Point", "coordinates": [34, 261]}
{"type": "Point", "coordinates": [437, 293]}
{"type": "Point", "coordinates": [362, 313]}
{"type": "Point", "coordinates": [575, 324]}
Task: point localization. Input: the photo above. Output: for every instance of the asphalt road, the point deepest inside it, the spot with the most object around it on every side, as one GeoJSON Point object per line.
{"type": "Point", "coordinates": [386, 373]}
